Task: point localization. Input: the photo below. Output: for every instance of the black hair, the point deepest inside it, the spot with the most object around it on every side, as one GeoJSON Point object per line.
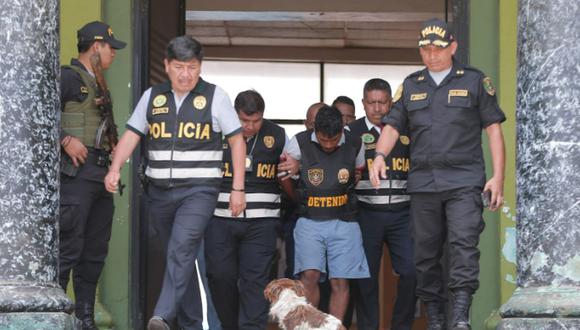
{"type": "Point", "coordinates": [328, 121]}
{"type": "Point", "coordinates": [184, 48]}
{"type": "Point", "coordinates": [249, 102]}
{"type": "Point", "coordinates": [343, 99]}
{"type": "Point", "coordinates": [377, 84]}
{"type": "Point", "coordinates": [84, 46]}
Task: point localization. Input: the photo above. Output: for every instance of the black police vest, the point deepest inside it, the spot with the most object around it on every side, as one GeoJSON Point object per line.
{"type": "Point", "coordinates": [261, 183]}
{"type": "Point", "coordinates": [183, 149]}
{"type": "Point", "coordinates": [392, 192]}
{"type": "Point", "coordinates": [326, 185]}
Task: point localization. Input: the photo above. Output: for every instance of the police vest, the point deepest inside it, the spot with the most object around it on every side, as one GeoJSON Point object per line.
{"type": "Point", "coordinates": [182, 148]}
{"type": "Point", "coordinates": [261, 182]}
{"type": "Point", "coordinates": [326, 185]}
{"type": "Point", "coordinates": [392, 192]}
{"type": "Point", "coordinates": [82, 119]}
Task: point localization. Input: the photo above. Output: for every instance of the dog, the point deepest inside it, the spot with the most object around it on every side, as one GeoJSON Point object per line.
{"type": "Point", "coordinates": [291, 310]}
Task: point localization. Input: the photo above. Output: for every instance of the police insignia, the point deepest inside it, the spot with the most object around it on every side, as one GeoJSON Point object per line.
{"type": "Point", "coordinates": [269, 141]}
{"type": "Point", "coordinates": [398, 93]}
{"type": "Point", "coordinates": [159, 101]}
{"type": "Point", "coordinates": [418, 97]}
{"type": "Point", "coordinates": [368, 138]}
{"type": "Point", "coordinates": [199, 102]}
{"type": "Point", "coordinates": [315, 176]}
{"type": "Point", "coordinates": [343, 175]}
{"type": "Point", "coordinates": [404, 139]}
{"type": "Point", "coordinates": [84, 90]}
{"type": "Point", "coordinates": [488, 86]}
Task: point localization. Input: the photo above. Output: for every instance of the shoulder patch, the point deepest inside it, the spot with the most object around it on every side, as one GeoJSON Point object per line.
{"type": "Point", "coordinates": [488, 86]}
{"type": "Point", "coordinates": [398, 93]}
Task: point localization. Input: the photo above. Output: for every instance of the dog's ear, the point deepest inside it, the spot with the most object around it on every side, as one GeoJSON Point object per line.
{"type": "Point", "coordinates": [272, 291]}
{"type": "Point", "coordinates": [299, 288]}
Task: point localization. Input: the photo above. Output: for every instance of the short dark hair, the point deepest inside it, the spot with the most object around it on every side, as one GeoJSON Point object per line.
{"type": "Point", "coordinates": [249, 102]}
{"type": "Point", "coordinates": [377, 84]}
{"type": "Point", "coordinates": [328, 121]}
{"type": "Point", "coordinates": [184, 48]}
{"type": "Point", "coordinates": [343, 99]}
{"type": "Point", "coordinates": [84, 46]}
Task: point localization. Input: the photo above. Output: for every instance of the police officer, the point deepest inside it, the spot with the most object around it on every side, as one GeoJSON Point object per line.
{"type": "Point", "coordinates": [326, 234]}
{"type": "Point", "coordinates": [445, 107]}
{"type": "Point", "coordinates": [240, 250]}
{"type": "Point", "coordinates": [384, 215]}
{"type": "Point", "coordinates": [86, 211]}
{"type": "Point", "coordinates": [345, 105]}
{"type": "Point", "coordinates": [183, 121]}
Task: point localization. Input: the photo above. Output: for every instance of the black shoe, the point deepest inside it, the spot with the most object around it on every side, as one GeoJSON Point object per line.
{"type": "Point", "coordinates": [85, 312]}
{"type": "Point", "coordinates": [435, 316]}
{"type": "Point", "coordinates": [461, 304]}
{"type": "Point", "coordinates": [157, 323]}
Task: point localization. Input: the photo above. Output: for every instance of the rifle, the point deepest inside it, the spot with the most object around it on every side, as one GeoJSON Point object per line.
{"type": "Point", "coordinates": [107, 127]}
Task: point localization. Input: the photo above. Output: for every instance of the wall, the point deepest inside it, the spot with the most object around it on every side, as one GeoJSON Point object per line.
{"type": "Point", "coordinates": [493, 50]}
{"type": "Point", "coordinates": [115, 278]}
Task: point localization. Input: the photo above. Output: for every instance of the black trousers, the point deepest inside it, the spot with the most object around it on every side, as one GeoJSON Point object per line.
{"type": "Point", "coordinates": [394, 229]}
{"type": "Point", "coordinates": [455, 215]}
{"type": "Point", "coordinates": [86, 216]}
{"type": "Point", "coordinates": [179, 217]}
{"type": "Point", "coordinates": [239, 257]}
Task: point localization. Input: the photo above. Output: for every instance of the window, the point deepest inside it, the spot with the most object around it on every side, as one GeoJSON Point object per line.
{"type": "Point", "coordinates": [289, 89]}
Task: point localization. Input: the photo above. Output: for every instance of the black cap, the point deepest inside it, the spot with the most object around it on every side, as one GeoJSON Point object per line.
{"type": "Point", "coordinates": [99, 31]}
{"type": "Point", "coordinates": [435, 32]}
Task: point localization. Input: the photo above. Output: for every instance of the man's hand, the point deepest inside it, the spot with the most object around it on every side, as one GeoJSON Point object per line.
{"type": "Point", "coordinates": [287, 167]}
{"type": "Point", "coordinates": [112, 181]}
{"type": "Point", "coordinates": [378, 171]}
{"type": "Point", "coordinates": [495, 186]}
{"type": "Point", "coordinates": [76, 150]}
{"type": "Point", "coordinates": [237, 202]}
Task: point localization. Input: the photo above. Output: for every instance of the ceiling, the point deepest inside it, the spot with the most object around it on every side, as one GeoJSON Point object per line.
{"type": "Point", "coordinates": [341, 30]}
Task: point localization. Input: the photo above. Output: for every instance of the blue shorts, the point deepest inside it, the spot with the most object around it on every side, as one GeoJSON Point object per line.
{"type": "Point", "coordinates": [335, 243]}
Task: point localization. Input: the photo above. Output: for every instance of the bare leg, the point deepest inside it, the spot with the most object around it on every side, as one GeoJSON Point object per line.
{"type": "Point", "coordinates": [310, 279]}
{"type": "Point", "coordinates": [338, 297]}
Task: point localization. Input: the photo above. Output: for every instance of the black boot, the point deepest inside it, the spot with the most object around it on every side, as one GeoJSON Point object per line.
{"type": "Point", "coordinates": [461, 304]}
{"type": "Point", "coordinates": [85, 311]}
{"type": "Point", "coordinates": [435, 316]}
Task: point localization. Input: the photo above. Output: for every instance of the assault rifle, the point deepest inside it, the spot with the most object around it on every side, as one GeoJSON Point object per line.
{"type": "Point", "coordinates": [107, 127]}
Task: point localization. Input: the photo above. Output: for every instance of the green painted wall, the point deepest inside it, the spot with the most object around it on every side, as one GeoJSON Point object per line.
{"type": "Point", "coordinates": [114, 283]}
{"type": "Point", "coordinates": [73, 15]}
{"type": "Point", "coordinates": [493, 50]}
{"type": "Point", "coordinates": [508, 16]}
{"type": "Point", "coordinates": [115, 279]}
{"type": "Point", "coordinates": [483, 54]}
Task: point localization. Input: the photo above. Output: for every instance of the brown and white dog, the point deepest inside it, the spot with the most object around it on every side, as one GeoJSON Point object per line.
{"type": "Point", "coordinates": [290, 308]}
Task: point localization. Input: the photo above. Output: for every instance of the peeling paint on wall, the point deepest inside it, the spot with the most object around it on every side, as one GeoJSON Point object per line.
{"type": "Point", "coordinates": [509, 247]}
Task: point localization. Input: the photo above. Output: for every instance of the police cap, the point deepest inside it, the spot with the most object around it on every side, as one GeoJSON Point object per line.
{"type": "Point", "coordinates": [99, 31]}
{"type": "Point", "coordinates": [435, 32]}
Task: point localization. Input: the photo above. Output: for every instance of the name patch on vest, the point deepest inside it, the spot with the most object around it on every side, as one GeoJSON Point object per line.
{"type": "Point", "coordinates": [159, 111]}
{"type": "Point", "coordinates": [418, 97]}
{"type": "Point", "coordinates": [331, 201]}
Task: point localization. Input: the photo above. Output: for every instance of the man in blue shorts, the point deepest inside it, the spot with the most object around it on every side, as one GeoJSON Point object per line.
{"type": "Point", "coordinates": [327, 231]}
